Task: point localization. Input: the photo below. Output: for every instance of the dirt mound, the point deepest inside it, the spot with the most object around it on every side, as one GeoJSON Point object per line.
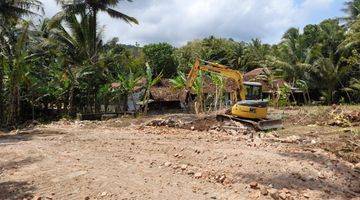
{"type": "Point", "coordinates": [334, 116]}
{"type": "Point", "coordinates": [344, 118]}
{"type": "Point", "coordinates": [345, 145]}
{"type": "Point", "coordinates": [206, 123]}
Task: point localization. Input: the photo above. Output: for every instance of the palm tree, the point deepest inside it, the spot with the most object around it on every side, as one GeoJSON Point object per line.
{"type": "Point", "coordinates": [15, 62]}
{"type": "Point", "coordinates": [352, 39]}
{"type": "Point", "coordinates": [352, 8]}
{"type": "Point", "coordinates": [293, 59]}
{"type": "Point", "coordinates": [15, 9]}
{"type": "Point", "coordinates": [91, 8]}
{"type": "Point", "coordinates": [10, 12]}
{"type": "Point", "coordinates": [2, 95]}
{"type": "Point", "coordinates": [294, 46]}
{"type": "Point", "coordinates": [255, 55]}
{"type": "Point", "coordinates": [73, 39]}
{"type": "Point", "coordinates": [327, 75]}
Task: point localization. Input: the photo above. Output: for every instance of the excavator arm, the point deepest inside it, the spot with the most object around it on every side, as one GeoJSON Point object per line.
{"type": "Point", "coordinates": [218, 69]}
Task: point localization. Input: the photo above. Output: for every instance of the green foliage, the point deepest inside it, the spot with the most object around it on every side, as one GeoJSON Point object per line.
{"type": "Point", "coordinates": [150, 82]}
{"type": "Point", "coordinates": [179, 81]}
{"type": "Point", "coordinates": [352, 8]}
{"type": "Point", "coordinates": [223, 51]}
{"type": "Point", "coordinates": [284, 95]}
{"type": "Point", "coordinates": [10, 9]}
{"type": "Point", "coordinates": [63, 64]}
{"type": "Point", "coordinates": [160, 57]}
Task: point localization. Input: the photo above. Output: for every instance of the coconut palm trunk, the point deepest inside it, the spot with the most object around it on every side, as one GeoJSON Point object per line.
{"type": "Point", "coordinates": [14, 105]}
{"type": "Point", "coordinates": [2, 100]}
{"type": "Point", "coordinates": [71, 101]}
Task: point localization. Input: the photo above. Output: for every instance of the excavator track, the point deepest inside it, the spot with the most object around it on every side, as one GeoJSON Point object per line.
{"type": "Point", "coordinates": [259, 125]}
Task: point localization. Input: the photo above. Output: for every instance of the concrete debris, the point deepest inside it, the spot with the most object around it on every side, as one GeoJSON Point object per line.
{"type": "Point", "coordinates": [190, 173]}
{"type": "Point", "coordinates": [183, 167]}
{"type": "Point", "coordinates": [282, 195]}
{"type": "Point", "coordinates": [357, 167]}
{"type": "Point", "coordinates": [198, 175]}
{"type": "Point", "coordinates": [274, 193]}
{"type": "Point", "coordinates": [167, 164]}
{"type": "Point", "coordinates": [254, 185]}
{"type": "Point", "coordinates": [220, 178]}
{"type": "Point", "coordinates": [264, 191]}
{"type": "Point", "coordinates": [36, 198]}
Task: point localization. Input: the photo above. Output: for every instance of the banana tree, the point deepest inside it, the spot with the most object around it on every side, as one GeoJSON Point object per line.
{"type": "Point", "coordinates": [128, 83]}
{"type": "Point", "coordinates": [219, 91]}
{"type": "Point", "coordinates": [179, 82]}
{"type": "Point", "coordinates": [150, 81]}
{"type": "Point", "coordinates": [304, 87]}
{"type": "Point", "coordinates": [15, 62]}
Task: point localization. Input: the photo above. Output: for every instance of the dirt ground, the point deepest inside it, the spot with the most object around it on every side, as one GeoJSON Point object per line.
{"type": "Point", "coordinates": [315, 156]}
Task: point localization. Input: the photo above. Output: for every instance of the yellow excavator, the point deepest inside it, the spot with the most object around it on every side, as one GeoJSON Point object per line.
{"type": "Point", "coordinates": [251, 109]}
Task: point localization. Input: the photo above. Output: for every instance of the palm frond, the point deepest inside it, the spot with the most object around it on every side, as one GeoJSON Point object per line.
{"type": "Point", "coordinates": [116, 14]}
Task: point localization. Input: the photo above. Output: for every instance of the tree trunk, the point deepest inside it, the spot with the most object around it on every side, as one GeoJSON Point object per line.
{"type": "Point", "coordinates": [97, 104]}
{"type": "Point", "coordinates": [221, 94]}
{"type": "Point", "coordinates": [308, 95]}
{"type": "Point", "coordinates": [71, 102]}
{"type": "Point", "coordinates": [305, 100]}
{"type": "Point", "coordinates": [14, 105]}
{"type": "Point", "coordinates": [133, 101]}
{"type": "Point", "coordinates": [347, 94]}
{"type": "Point", "coordinates": [94, 31]}
{"type": "Point", "coordinates": [2, 101]}
{"type": "Point", "coordinates": [146, 99]}
{"type": "Point", "coordinates": [125, 102]}
{"type": "Point", "coordinates": [216, 99]}
{"type": "Point", "coordinates": [293, 96]}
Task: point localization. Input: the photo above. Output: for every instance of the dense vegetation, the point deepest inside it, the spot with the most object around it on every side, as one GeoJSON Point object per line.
{"type": "Point", "coordinates": [63, 63]}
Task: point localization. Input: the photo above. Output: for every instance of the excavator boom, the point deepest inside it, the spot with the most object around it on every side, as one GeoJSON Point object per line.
{"type": "Point", "coordinates": [218, 69]}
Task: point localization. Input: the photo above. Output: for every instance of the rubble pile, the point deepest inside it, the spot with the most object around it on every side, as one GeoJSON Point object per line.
{"type": "Point", "coordinates": [340, 117]}
{"type": "Point", "coordinates": [208, 123]}
{"type": "Point", "coordinates": [353, 116]}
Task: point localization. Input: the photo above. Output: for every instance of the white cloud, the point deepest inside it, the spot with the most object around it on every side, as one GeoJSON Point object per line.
{"type": "Point", "coordinates": [178, 21]}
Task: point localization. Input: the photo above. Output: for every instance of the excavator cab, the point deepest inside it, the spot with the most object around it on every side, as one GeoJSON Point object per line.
{"type": "Point", "coordinates": [253, 90]}
{"type": "Point", "coordinates": [254, 106]}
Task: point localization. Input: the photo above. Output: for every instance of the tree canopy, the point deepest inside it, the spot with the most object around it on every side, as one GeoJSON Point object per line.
{"type": "Point", "coordinates": [63, 64]}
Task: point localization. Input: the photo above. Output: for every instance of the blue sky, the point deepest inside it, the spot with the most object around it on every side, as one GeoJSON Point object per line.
{"type": "Point", "coordinates": [333, 11]}
{"type": "Point", "coordinates": [179, 21]}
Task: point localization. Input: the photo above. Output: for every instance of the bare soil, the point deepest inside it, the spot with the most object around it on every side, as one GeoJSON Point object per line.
{"type": "Point", "coordinates": [124, 159]}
